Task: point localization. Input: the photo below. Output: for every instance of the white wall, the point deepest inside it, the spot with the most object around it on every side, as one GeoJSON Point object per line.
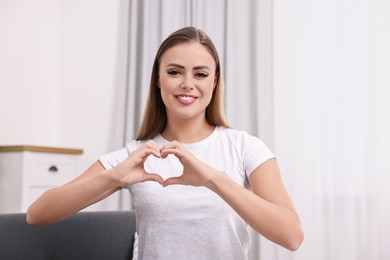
{"type": "Point", "coordinates": [60, 67]}
{"type": "Point", "coordinates": [28, 99]}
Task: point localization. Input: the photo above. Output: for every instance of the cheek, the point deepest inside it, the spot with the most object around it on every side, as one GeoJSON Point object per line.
{"type": "Point", "coordinates": [168, 84]}
{"type": "Point", "coordinates": [166, 89]}
{"type": "Point", "coordinates": [164, 94]}
{"type": "Point", "coordinates": [208, 89]}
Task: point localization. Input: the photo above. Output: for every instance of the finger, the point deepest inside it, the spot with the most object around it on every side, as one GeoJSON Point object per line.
{"type": "Point", "coordinates": [173, 181]}
{"type": "Point", "coordinates": [153, 145]}
{"type": "Point", "coordinates": [144, 151]}
{"type": "Point", "coordinates": [178, 153]}
{"type": "Point", "coordinates": [153, 177]}
{"type": "Point", "coordinates": [172, 145]}
{"type": "Point", "coordinates": [150, 147]}
{"type": "Point", "coordinates": [148, 151]}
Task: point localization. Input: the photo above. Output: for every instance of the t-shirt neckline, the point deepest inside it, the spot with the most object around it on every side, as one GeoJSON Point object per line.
{"type": "Point", "coordinates": [207, 139]}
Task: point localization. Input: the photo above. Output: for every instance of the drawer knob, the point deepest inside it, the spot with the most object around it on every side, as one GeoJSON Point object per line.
{"type": "Point", "coordinates": [53, 169]}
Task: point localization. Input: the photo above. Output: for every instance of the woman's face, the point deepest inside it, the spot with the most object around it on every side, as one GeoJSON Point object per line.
{"type": "Point", "coordinates": [187, 80]}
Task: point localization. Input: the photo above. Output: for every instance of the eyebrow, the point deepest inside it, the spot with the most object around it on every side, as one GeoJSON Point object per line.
{"type": "Point", "coordinates": [182, 67]}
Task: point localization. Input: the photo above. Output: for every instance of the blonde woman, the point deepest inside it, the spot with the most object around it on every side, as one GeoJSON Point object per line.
{"type": "Point", "coordinates": [195, 183]}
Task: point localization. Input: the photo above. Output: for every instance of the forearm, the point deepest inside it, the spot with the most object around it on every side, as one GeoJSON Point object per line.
{"type": "Point", "coordinates": [279, 224]}
{"type": "Point", "coordinates": [59, 203]}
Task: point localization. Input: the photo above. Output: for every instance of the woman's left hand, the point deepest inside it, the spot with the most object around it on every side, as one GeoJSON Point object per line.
{"type": "Point", "coordinates": [195, 172]}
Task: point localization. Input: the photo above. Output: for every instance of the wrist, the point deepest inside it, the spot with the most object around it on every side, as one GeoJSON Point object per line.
{"type": "Point", "coordinates": [216, 180]}
{"type": "Point", "coordinates": [113, 176]}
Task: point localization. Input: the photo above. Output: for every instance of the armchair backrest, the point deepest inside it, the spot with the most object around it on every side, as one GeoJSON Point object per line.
{"type": "Point", "coordinates": [85, 235]}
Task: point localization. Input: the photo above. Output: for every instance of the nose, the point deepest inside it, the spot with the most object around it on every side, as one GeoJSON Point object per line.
{"type": "Point", "coordinates": [187, 83]}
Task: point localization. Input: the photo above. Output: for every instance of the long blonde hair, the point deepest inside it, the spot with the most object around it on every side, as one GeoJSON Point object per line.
{"type": "Point", "coordinates": [155, 116]}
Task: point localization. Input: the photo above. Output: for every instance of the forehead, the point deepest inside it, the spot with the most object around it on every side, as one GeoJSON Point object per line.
{"type": "Point", "coordinates": [188, 54]}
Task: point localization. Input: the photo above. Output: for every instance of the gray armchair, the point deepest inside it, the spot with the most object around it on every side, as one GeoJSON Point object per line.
{"type": "Point", "coordinates": [85, 235]}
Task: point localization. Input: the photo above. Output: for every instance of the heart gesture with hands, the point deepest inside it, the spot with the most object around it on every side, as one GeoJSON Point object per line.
{"type": "Point", "coordinates": [195, 172]}
{"type": "Point", "coordinates": [131, 170]}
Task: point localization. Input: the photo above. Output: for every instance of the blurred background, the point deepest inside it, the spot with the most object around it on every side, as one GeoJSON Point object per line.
{"type": "Point", "coordinates": [311, 78]}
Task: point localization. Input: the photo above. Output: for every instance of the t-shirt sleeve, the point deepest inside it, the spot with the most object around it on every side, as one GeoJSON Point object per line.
{"type": "Point", "coordinates": [112, 159]}
{"type": "Point", "coordinates": [255, 153]}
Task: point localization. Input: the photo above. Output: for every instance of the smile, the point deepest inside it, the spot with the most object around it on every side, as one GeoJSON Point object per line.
{"type": "Point", "coordinates": [186, 99]}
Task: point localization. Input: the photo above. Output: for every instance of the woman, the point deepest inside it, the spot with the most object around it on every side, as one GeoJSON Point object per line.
{"type": "Point", "coordinates": [195, 182]}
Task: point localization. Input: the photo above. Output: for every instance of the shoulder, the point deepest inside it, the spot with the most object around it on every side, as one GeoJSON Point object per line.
{"type": "Point", "coordinates": [236, 136]}
{"type": "Point", "coordinates": [244, 142]}
{"type": "Point", "coordinates": [113, 158]}
{"type": "Point", "coordinates": [134, 144]}
{"type": "Point", "coordinates": [250, 150]}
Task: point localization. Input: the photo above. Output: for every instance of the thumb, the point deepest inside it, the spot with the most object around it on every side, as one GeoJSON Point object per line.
{"type": "Point", "coordinates": [173, 181]}
{"type": "Point", "coordinates": [153, 177]}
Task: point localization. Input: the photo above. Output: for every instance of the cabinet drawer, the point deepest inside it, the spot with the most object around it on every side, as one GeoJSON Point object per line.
{"type": "Point", "coordinates": [49, 169]}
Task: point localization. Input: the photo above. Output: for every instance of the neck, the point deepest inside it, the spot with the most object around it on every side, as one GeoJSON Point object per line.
{"type": "Point", "coordinates": [187, 131]}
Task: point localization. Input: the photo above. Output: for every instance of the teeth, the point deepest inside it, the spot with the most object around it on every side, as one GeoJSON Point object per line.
{"type": "Point", "coordinates": [187, 98]}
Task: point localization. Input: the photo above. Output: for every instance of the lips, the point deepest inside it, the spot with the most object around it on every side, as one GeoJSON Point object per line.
{"type": "Point", "coordinates": [186, 99]}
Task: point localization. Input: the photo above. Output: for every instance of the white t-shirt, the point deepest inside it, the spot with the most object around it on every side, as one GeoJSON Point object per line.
{"type": "Point", "coordinates": [186, 222]}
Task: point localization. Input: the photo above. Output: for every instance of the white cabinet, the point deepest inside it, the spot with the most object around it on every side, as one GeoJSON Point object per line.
{"type": "Point", "coordinates": [28, 171]}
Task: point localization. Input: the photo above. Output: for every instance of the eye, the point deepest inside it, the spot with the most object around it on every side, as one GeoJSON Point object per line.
{"type": "Point", "coordinates": [201, 74]}
{"type": "Point", "coordinates": [173, 72]}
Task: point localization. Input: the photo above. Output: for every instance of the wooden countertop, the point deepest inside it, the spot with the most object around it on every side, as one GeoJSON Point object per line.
{"type": "Point", "coordinates": [39, 149]}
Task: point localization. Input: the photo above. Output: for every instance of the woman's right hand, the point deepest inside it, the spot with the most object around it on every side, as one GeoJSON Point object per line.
{"type": "Point", "coordinates": [93, 185]}
{"type": "Point", "coordinates": [132, 170]}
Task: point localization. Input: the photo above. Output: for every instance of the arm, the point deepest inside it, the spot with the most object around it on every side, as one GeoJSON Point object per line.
{"type": "Point", "coordinates": [268, 209]}
{"type": "Point", "coordinates": [58, 203]}
{"type": "Point", "coordinates": [93, 185]}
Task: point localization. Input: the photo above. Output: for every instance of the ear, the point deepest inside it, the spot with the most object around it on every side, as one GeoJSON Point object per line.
{"type": "Point", "coordinates": [158, 83]}
{"type": "Point", "coordinates": [215, 81]}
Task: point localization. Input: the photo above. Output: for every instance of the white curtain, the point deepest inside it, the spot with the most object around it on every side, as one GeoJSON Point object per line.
{"type": "Point", "coordinates": [331, 68]}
